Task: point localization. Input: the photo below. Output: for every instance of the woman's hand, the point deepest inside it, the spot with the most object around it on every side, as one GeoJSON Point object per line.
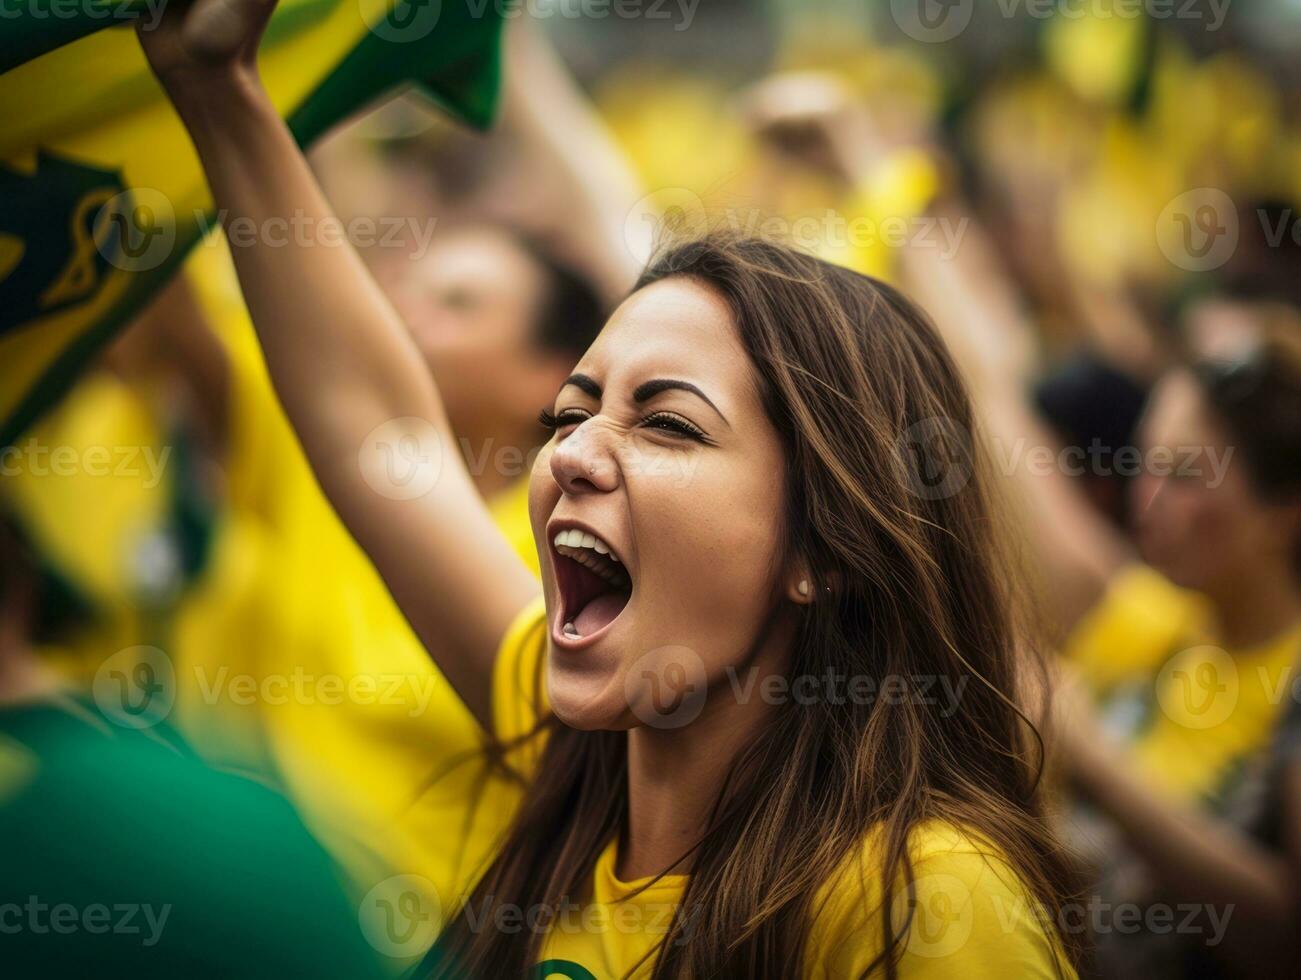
{"type": "Point", "coordinates": [816, 119]}
{"type": "Point", "coordinates": [197, 44]}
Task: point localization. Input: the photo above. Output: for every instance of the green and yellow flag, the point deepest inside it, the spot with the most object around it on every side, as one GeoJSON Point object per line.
{"type": "Point", "coordinates": [101, 194]}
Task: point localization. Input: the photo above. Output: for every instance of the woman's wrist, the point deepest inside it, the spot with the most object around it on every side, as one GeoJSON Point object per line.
{"type": "Point", "coordinates": [218, 98]}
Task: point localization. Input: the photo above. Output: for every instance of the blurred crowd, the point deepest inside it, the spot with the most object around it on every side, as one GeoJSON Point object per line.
{"type": "Point", "coordinates": [1099, 212]}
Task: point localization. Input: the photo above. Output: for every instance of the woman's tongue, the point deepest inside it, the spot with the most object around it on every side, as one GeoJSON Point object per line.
{"type": "Point", "coordinates": [599, 612]}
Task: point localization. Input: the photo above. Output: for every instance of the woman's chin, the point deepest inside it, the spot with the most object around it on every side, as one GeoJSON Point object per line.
{"type": "Point", "coordinates": [586, 710]}
{"type": "Point", "coordinates": [590, 721]}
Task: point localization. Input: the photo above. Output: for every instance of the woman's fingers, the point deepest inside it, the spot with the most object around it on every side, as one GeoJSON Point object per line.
{"type": "Point", "coordinates": [217, 31]}
{"type": "Point", "coordinates": [198, 36]}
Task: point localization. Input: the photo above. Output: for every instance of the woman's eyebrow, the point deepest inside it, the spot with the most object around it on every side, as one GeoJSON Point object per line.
{"type": "Point", "coordinates": [583, 383]}
{"type": "Point", "coordinates": [649, 389]}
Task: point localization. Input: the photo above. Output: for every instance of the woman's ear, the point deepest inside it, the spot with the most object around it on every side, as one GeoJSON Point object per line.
{"type": "Point", "coordinates": [801, 586]}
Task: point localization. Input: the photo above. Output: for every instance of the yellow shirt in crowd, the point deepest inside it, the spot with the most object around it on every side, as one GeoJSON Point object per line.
{"type": "Point", "coordinates": [1192, 711]}
{"type": "Point", "coordinates": [972, 918]}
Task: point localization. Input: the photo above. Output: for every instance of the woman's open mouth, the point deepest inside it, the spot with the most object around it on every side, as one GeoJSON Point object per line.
{"type": "Point", "coordinates": [594, 585]}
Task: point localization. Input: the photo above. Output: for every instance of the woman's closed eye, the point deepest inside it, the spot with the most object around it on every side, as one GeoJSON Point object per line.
{"type": "Point", "coordinates": [662, 421]}
{"type": "Point", "coordinates": [675, 424]}
{"type": "Point", "coordinates": [563, 419]}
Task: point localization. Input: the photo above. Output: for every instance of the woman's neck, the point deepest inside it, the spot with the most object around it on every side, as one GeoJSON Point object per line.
{"type": "Point", "coordinates": [674, 775]}
{"type": "Point", "coordinates": [673, 783]}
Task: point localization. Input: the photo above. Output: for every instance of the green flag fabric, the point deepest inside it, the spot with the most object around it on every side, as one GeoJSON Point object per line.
{"type": "Point", "coordinates": [101, 194]}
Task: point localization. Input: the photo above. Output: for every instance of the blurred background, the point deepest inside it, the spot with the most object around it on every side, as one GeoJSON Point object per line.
{"type": "Point", "coordinates": [1087, 195]}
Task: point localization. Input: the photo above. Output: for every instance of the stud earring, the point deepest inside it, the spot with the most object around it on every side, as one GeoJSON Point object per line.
{"type": "Point", "coordinates": [803, 586]}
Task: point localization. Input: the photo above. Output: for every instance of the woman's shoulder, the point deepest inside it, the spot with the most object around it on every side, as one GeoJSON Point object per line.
{"type": "Point", "coordinates": [962, 909]}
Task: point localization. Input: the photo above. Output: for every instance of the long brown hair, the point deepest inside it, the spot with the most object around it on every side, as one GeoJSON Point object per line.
{"type": "Point", "coordinates": [887, 500]}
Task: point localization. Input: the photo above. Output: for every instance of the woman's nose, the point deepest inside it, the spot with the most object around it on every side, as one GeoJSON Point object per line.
{"type": "Point", "coordinates": [584, 461]}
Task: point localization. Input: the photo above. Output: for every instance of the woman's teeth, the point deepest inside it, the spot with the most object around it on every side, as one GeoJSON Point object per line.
{"type": "Point", "coordinates": [593, 553]}
{"type": "Point", "coordinates": [580, 539]}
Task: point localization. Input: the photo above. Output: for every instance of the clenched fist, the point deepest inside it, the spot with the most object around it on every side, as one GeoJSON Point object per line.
{"type": "Point", "coordinates": [197, 41]}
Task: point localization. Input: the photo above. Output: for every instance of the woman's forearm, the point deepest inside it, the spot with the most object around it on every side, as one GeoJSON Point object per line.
{"type": "Point", "coordinates": [339, 356]}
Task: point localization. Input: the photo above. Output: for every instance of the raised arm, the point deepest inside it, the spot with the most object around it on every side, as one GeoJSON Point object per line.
{"type": "Point", "coordinates": [348, 375]}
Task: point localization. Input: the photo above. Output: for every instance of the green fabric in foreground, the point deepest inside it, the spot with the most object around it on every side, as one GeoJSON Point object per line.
{"type": "Point", "coordinates": [123, 856]}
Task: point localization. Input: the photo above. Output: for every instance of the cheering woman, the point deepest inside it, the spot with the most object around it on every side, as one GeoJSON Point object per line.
{"type": "Point", "coordinates": [764, 704]}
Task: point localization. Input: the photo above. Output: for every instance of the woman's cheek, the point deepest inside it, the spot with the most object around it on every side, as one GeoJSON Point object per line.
{"type": "Point", "coordinates": [643, 461]}
{"type": "Point", "coordinates": [712, 545]}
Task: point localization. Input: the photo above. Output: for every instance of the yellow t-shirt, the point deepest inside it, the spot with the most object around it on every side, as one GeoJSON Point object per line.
{"type": "Point", "coordinates": [972, 916]}
{"type": "Point", "coordinates": [1193, 712]}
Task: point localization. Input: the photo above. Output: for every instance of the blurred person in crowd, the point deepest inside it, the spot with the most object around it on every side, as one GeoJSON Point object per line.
{"type": "Point", "coordinates": [829, 867]}
{"type": "Point", "coordinates": [1193, 658]}
{"type": "Point", "coordinates": [806, 125]}
{"type": "Point", "coordinates": [123, 855]}
{"type": "Point", "coordinates": [500, 320]}
{"type": "Point", "coordinates": [1187, 639]}
{"type": "Point", "coordinates": [1094, 397]}
{"type": "Point", "coordinates": [1088, 402]}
